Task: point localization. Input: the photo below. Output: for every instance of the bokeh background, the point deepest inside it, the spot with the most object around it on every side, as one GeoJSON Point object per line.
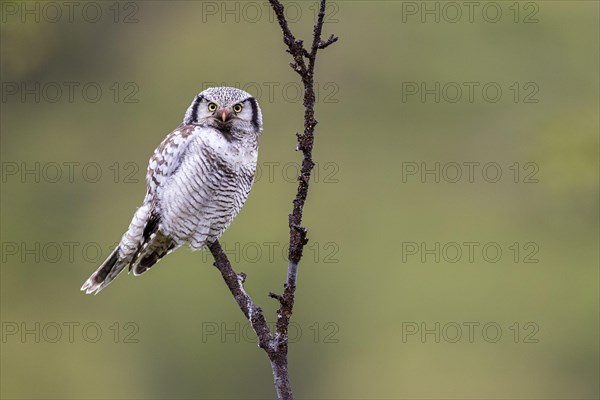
{"type": "Point", "coordinates": [381, 312]}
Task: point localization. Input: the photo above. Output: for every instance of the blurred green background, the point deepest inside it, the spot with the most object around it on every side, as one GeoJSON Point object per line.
{"type": "Point", "coordinates": [384, 302]}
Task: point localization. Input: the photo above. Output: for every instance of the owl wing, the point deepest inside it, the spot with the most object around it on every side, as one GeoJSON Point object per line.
{"type": "Point", "coordinates": [163, 164]}
{"type": "Point", "coordinates": [143, 244]}
{"type": "Point", "coordinates": [167, 157]}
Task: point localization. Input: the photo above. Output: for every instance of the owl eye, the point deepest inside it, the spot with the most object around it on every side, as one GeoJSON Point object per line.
{"type": "Point", "coordinates": [212, 107]}
{"type": "Point", "coordinates": [237, 108]}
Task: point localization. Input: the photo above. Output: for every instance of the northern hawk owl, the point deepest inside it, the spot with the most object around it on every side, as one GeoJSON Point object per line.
{"type": "Point", "coordinates": [198, 180]}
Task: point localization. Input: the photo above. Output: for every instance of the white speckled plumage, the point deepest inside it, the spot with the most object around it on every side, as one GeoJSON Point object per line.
{"type": "Point", "coordinates": [198, 180]}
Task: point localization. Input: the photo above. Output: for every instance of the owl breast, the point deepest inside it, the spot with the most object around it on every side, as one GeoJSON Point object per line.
{"type": "Point", "coordinates": [207, 190]}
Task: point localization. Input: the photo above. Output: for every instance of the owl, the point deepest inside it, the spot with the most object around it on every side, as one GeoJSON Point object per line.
{"type": "Point", "coordinates": [197, 181]}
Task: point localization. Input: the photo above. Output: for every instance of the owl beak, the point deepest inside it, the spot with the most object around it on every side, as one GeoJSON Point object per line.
{"type": "Point", "coordinates": [222, 112]}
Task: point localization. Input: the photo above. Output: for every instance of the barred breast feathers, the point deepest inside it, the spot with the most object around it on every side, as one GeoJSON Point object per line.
{"type": "Point", "coordinates": [200, 180]}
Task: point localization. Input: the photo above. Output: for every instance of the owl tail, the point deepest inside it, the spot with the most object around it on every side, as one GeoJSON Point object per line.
{"type": "Point", "coordinates": [154, 248]}
{"type": "Point", "coordinates": [142, 246]}
{"type": "Point", "coordinates": [105, 273]}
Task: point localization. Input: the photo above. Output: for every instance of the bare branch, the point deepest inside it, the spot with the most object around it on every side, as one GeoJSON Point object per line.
{"type": "Point", "coordinates": [276, 343]}
{"type": "Point", "coordinates": [235, 282]}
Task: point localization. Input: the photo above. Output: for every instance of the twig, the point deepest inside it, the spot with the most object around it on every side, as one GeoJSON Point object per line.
{"type": "Point", "coordinates": [276, 343]}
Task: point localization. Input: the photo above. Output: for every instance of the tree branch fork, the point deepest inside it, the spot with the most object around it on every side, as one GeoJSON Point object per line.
{"type": "Point", "coordinates": [275, 343]}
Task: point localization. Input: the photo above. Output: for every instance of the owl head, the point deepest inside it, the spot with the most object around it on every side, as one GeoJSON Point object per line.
{"type": "Point", "coordinates": [229, 110]}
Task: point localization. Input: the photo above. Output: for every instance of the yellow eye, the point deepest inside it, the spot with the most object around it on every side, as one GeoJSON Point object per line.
{"type": "Point", "coordinates": [237, 108]}
{"type": "Point", "coordinates": [212, 107]}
